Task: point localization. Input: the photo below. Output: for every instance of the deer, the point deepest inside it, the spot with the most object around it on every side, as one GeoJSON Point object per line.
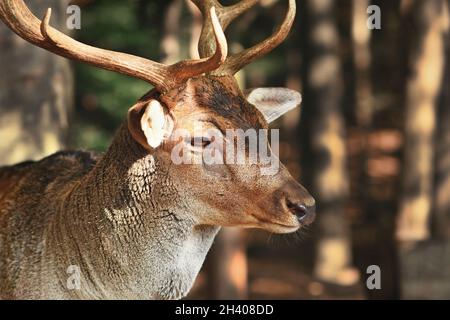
{"type": "Point", "coordinates": [136, 225]}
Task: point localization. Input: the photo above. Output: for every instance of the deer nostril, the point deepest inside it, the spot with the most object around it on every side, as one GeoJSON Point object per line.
{"type": "Point", "coordinates": [305, 215]}
{"type": "Point", "coordinates": [298, 210]}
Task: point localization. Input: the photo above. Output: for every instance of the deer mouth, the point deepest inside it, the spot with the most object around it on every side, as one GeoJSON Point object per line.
{"type": "Point", "coordinates": [280, 228]}
{"type": "Point", "coordinates": [275, 226]}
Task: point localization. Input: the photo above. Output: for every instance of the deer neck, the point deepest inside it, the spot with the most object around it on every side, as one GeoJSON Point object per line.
{"type": "Point", "coordinates": [135, 232]}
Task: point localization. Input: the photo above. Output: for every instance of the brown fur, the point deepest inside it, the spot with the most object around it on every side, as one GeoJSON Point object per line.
{"type": "Point", "coordinates": [136, 225]}
{"type": "Point", "coordinates": [132, 222]}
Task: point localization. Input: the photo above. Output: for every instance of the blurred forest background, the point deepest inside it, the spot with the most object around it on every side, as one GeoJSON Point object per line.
{"type": "Point", "coordinates": [371, 140]}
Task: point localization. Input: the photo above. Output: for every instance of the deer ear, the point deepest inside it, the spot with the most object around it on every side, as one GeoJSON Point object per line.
{"type": "Point", "coordinates": [149, 124]}
{"type": "Point", "coordinates": [273, 102]}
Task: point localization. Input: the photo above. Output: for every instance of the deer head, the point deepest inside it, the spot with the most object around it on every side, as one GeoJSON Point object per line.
{"type": "Point", "coordinates": [194, 94]}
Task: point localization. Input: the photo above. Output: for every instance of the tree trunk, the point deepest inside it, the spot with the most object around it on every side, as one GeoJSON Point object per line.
{"type": "Point", "coordinates": [424, 264]}
{"type": "Point", "coordinates": [326, 149]}
{"type": "Point", "coordinates": [441, 206]}
{"type": "Point", "coordinates": [170, 43]}
{"type": "Point", "coordinates": [36, 93]}
{"type": "Point", "coordinates": [362, 60]}
{"type": "Point", "coordinates": [196, 29]}
{"type": "Point", "coordinates": [422, 92]}
{"type": "Point", "coordinates": [227, 266]}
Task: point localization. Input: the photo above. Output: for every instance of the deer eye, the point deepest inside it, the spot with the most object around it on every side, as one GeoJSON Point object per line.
{"type": "Point", "coordinates": [200, 142]}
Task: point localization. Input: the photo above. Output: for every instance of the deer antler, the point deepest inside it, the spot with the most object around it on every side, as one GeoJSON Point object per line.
{"type": "Point", "coordinates": [19, 18]}
{"type": "Point", "coordinates": [227, 14]}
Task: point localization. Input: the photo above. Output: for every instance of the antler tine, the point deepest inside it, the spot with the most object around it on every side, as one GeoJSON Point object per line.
{"type": "Point", "coordinates": [16, 15]}
{"type": "Point", "coordinates": [225, 14]}
{"type": "Point", "coordinates": [189, 68]}
{"type": "Point", "coordinates": [237, 61]}
{"type": "Point", "coordinates": [232, 12]}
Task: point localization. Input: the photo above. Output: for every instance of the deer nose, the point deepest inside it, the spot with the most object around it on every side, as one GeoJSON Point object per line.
{"type": "Point", "coordinates": [305, 214]}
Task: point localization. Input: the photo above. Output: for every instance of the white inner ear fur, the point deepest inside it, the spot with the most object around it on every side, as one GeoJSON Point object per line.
{"type": "Point", "coordinates": [155, 124]}
{"type": "Point", "coordinates": [273, 102]}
